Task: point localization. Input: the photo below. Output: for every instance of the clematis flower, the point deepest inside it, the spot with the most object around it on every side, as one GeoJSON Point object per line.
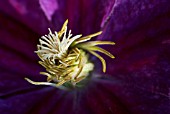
{"type": "Point", "coordinates": [137, 81]}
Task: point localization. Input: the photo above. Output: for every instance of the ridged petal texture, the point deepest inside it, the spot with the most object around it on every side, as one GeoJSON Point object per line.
{"type": "Point", "coordinates": [138, 80]}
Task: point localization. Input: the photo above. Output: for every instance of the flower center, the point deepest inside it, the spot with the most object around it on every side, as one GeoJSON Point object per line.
{"type": "Point", "coordinates": [65, 58]}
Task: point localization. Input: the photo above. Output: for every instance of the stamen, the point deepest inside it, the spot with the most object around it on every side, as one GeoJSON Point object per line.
{"type": "Point", "coordinates": [65, 59]}
{"type": "Point", "coordinates": [101, 59]}
{"type": "Point", "coordinates": [86, 38]}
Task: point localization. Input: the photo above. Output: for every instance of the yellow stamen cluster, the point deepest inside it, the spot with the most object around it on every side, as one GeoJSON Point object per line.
{"type": "Point", "coordinates": [64, 57]}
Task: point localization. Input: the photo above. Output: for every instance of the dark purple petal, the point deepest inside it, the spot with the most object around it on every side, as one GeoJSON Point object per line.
{"type": "Point", "coordinates": [86, 15]}
{"type": "Point", "coordinates": [138, 96]}
{"type": "Point", "coordinates": [138, 28]}
{"type": "Point", "coordinates": [33, 17]}
{"type": "Point", "coordinates": [82, 14]}
{"type": "Point", "coordinates": [19, 7]}
{"type": "Point", "coordinates": [17, 57]}
{"type": "Point", "coordinates": [27, 102]}
{"type": "Point", "coordinates": [48, 100]}
{"type": "Point", "coordinates": [18, 43]}
{"type": "Point", "coordinates": [141, 69]}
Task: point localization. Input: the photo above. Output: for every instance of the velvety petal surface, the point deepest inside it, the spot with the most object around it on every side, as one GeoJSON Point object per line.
{"type": "Point", "coordinates": [139, 81]}
{"type": "Point", "coordinates": [82, 14]}
{"type": "Point", "coordinates": [49, 100]}
{"type": "Point", "coordinates": [140, 29]}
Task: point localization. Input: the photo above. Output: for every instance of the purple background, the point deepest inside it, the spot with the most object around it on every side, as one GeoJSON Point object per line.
{"type": "Point", "coordinates": [139, 76]}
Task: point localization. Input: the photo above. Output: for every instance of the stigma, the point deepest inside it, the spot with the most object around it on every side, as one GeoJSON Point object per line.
{"type": "Point", "coordinates": [66, 57]}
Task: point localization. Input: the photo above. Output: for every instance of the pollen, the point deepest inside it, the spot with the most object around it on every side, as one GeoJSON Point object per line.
{"type": "Point", "coordinates": [65, 57]}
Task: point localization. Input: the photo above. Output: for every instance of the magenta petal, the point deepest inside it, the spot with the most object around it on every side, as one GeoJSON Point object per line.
{"type": "Point", "coordinates": [49, 7]}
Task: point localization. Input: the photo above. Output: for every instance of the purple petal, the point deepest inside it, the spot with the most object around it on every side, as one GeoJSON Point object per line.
{"type": "Point", "coordinates": [81, 15]}
{"type": "Point", "coordinates": [141, 67]}
{"type": "Point", "coordinates": [17, 57]}
{"type": "Point", "coordinates": [138, 28]}
{"type": "Point", "coordinates": [20, 8]}
{"type": "Point", "coordinates": [18, 44]}
{"type": "Point", "coordinates": [137, 94]}
{"type": "Point", "coordinates": [34, 17]}
{"type": "Point", "coordinates": [29, 100]}
{"type": "Point", "coordinates": [51, 101]}
{"type": "Point", "coordinates": [49, 7]}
